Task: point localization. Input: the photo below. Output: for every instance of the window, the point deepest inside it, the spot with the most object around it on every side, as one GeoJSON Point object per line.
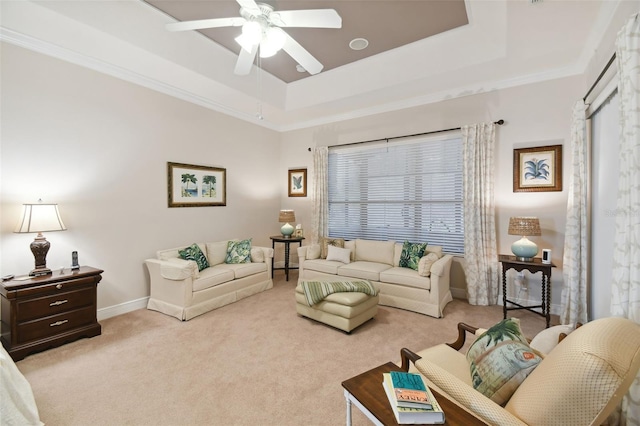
{"type": "Point", "coordinates": [405, 190]}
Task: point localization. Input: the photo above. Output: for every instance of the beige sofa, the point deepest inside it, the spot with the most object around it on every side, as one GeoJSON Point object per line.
{"type": "Point", "coordinates": [180, 290]}
{"type": "Point", "coordinates": [378, 262]}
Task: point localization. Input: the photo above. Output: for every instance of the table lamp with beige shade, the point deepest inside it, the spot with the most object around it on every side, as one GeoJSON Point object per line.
{"type": "Point", "coordinates": [524, 249]}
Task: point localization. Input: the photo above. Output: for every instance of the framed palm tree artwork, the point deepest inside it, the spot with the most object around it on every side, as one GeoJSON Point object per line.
{"type": "Point", "coordinates": [196, 186]}
{"type": "Point", "coordinates": [537, 169]}
{"type": "Point", "coordinates": [298, 183]}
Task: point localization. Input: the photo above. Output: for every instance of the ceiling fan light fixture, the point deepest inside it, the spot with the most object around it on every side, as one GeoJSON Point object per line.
{"type": "Point", "coordinates": [273, 40]}
{"type": "Point", "coordinates": [245, 42]}
{"type": "Point", "coordinates": [252, 31]}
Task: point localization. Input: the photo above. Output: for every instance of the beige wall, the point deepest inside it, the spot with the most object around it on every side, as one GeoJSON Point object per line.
{"type": "Point", "coordinates": [99, 147]}
{"type": "Point", "coordinates": [535, 115]}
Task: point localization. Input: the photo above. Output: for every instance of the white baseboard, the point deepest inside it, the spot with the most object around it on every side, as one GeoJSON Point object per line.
{"type": "Point", "coordinates": [123, 308]}
{"type": "Point", "coordinates": [458, 293]}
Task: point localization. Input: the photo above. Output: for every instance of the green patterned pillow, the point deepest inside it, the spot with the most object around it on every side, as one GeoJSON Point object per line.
{"type": "Point", "coordinates": [500, 359]}
{"type": "Point", "coordinates": [238, 251]}
{"type": "Point", "coordinates": [194, 253]}
{"type": "Point", "coordinates": [411, 254]}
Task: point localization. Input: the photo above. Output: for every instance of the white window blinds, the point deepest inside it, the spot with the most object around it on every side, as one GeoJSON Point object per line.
{"type": "Point", "coordinates": [409, 190]}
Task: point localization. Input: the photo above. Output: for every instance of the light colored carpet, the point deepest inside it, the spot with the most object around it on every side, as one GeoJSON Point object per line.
{"type": "Point", "coordinates": [254, 362]}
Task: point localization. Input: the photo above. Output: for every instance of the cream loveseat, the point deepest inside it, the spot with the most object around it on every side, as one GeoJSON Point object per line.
{"type": "Point", "coordinates": [179, 289]}
{"type": "Point", "coordinates": [378, 261]}
{"type": "Point", "coordinates": [580, 380]}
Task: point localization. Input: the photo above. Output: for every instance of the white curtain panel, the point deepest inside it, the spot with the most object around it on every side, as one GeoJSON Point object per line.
{"type": "Point", "coordinates": [480, 246]}
{"type": "Point", "coordinates": [320, 217]}
{"type": "Point", "coordinates": [625, 289]}
{"type": "Point", "coordinates": [574, 262]}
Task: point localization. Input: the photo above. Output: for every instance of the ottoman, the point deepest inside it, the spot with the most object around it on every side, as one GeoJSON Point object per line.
{"type": "Point", "coordinates": [344, 311]}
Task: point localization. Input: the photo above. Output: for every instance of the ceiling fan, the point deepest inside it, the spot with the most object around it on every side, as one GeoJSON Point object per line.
{"type": "Point", "coordinates": [262, 30]}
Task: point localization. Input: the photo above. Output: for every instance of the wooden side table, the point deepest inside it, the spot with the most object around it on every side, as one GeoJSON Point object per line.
{"type": "Point", "coordinates": [42, 312]}
{"type": "Point", "coordinates": [533, 266]}
{"type": "Point", "coordinates": [286, 241]}
{"type": "Point", "coordinates": [366, 392]}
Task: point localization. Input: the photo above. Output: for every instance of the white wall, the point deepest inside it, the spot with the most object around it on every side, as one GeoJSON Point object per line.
{"type": "Point", "coordinates": [535, 115]}
{"type": "Point", "coordinates": [99, 147]}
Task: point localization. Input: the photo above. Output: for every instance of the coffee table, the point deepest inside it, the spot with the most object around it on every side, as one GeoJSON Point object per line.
{"type": "Point", "coordinates": [365, 391]}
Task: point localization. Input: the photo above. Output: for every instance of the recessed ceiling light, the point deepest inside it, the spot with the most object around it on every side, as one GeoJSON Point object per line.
{"type": "Point", "coordinates": [358, 43]}
{"type": "Point", "coordinates": [300, 68]}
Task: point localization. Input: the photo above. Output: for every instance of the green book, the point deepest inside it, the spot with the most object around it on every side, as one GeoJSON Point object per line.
{"type": "Point", "coordinates": [411, 415]}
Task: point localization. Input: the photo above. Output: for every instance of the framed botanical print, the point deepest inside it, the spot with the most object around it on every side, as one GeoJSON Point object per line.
{"type": "Point", "coordinates": [537, 169]}
{"type": "Point", "coordinates": [196, 186]}
{"type": "Point", "coordinates": [298, 183]}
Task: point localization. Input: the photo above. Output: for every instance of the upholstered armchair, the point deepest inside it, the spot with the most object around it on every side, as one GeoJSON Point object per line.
{"type": "Point", "coordinates": [579, 382]}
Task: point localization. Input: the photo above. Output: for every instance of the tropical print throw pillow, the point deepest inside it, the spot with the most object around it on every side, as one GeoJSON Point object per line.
{"type": "Point", "coordinates": [238, 251]}
{"type": "Point", "coordinates": [500, 359]}
{"type": "Point", "coordinates": [194, 253]}
{"type": "Point", "coordinates": [411, 254]}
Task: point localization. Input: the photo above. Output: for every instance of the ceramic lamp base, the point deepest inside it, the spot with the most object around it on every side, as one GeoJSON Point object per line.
{"type": "Point", "coordinates": [286, 230]}
{"type": "Point", "coordinates": [524, 249]}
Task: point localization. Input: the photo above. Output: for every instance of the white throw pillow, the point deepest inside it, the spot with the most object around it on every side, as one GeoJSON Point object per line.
{"type": "Point", "coordinates": [547, 339]}
{"type": "Point", "coordinates": [424, 266]}
{"type": "Point", "coordinates": [339, 254]}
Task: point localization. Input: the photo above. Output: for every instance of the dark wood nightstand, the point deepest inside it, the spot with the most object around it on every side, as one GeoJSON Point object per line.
{"type": "Point", "coordinates": [286, 241]}
{"type": "Point", "coordinates": [533, 266]}
{"type": "Point", "coordinates": [47, 311]}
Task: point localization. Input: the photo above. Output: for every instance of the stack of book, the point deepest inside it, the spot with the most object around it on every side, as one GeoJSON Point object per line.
{"type": "Point", "coordinates": [411, 400]}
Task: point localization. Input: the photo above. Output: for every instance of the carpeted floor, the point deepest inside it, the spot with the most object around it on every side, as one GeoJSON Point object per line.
{"type": "Point", "coordinates": [254, 362]}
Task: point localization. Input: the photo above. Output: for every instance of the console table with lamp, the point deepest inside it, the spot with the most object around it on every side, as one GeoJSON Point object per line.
{"type": "Point", "coordinates": [287, 237]}
{"type": "Point", "coordinates": [524, 251]}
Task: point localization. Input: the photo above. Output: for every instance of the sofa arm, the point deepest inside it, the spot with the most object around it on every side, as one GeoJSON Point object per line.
{"type": "Point", "coordinates": [171, 290]}
{"type": "Point", "coordinates": [440, 278]}
{"type": "Point", "coordinates": [465, 396]}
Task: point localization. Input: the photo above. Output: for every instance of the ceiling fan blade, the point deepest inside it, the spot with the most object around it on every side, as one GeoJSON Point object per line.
{"type": "Point", "coordinates": [313, 18]}
{"type": "Point", "coordinates": [250, 6]}
{"type": "Point", "coordinates": [205, 23]}
{"type": "Point", "coordinates": [245, 60]}
{"type": "Point", "coordinates": [301, 55]}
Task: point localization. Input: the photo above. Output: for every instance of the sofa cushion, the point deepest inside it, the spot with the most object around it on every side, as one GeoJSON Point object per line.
{"type": "Point", "coordinates": [411, 254]}
{"type": "Point", "coordinates": [365, 270]}
{"type": "Point", "coordinates": [351, 245]}
{"type": "Point", "coordinates": [424, 266]}
{"type": "Point", "coordinates": [216, 252]}
{"type": "Point", "coordinates": [257, 255]}
{"type": "Point", "coordinates": [173, 252]}
{"type": "Point", "coordinates": [375, 251]}
{"type": "Point", "coordinates": [500, 359]}
{"type": "Point", "coordinates": [323, 265]}
{"type": "Point", "coordinates": [435, 249]}
{"type": "Point", "coordinates": [238, 251]}
{"type": "Point", "coordinates": [405, 276]}
{"type": "Point", "coordinates": [326, 242]}
{"type": "Point", "coordinates": [339, 254]}
{"type": "Point", "coordinates": [241, 270]}
{"type": "Point", "coordinates": [193, 252]}
{"type": "Point", "coordinates": [213, 276]}
{"type": "Point", "coordinates": [313, 251]}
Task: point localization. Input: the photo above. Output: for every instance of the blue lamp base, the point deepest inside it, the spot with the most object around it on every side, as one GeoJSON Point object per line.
{"type": "Point", "coordinates": [524, 249]}
{"type": "Point", "coordinates": [286, 230]}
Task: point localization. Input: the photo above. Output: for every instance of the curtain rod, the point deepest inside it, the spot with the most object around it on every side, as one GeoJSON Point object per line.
{"type": "Point", "coordinates": [606, 67]}
{"type": "Point", "coordinates": [499, 123]}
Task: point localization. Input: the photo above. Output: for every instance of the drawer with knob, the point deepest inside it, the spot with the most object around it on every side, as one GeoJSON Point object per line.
{"type": "Point", "coordinates": [50, 305]}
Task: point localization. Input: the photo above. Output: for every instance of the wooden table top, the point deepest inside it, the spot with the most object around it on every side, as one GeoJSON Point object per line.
{"type": "Point", "coordinates": [367, 388]}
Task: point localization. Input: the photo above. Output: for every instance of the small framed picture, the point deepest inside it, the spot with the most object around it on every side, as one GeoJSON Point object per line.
{"type": "Point", "coordinates": [537, 169]}
{"type": "Point", "coordinates": [298, 183]}
{"type": "Point", "coordinates": [298, 233]}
